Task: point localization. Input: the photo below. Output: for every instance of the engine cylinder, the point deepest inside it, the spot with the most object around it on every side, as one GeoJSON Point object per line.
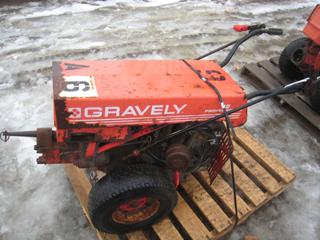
{"type": "Point", "coordinates": [178, 157]}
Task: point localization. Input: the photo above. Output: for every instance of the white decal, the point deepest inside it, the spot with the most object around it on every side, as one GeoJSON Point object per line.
{"type": "Point", "coordinates": [219, 110]}
{"type": "Point", "coordinates": [166, 110]}
{"type": "Point", "coordinates": [112, 110]}
{"type": "Point", "coordinates": [156, 110]}
{"type": "Point", "coordinates": [93, 112]}
{"type": "Point", "coordinates": [129, 111]}
{"type": "Point", "coordinates": [179, 109]}
{"type": "Point", "coordinates": [79, 86]}
{"type": "Point", "coordinates": [142, 112]}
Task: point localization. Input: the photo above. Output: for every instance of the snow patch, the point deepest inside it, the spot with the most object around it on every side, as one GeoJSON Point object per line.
{"type": "Point", "coordinates": [85, 7]}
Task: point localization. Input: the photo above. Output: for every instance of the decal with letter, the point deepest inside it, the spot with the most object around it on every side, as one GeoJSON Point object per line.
{"type": "Point", "coordinates": [79, 86]}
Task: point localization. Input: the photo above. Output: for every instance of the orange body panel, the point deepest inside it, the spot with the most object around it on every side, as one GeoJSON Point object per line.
{"type": "Point", "coordinates": [312, 29]}
{"type": "Point", "coordinates": [114, 93]}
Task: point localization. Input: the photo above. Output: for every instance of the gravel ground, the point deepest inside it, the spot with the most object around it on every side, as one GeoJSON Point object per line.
{"type": "Point", "coordinates": [36, 202]}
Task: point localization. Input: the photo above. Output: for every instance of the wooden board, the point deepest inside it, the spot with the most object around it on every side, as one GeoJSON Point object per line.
{"type": "Point", "coordinates": [207, 211]}
{"type": "Point", "coordinates": [267, 75]}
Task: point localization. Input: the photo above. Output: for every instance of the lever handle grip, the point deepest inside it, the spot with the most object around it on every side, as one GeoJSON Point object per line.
{"type": "Point", "coordinates": [241, 28]}
{"type": "Point", "coordinates": [275, 31]}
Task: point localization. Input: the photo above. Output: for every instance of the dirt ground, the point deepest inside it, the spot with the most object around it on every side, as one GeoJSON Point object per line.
{"type": "Point", "coordinates": [36, 202]}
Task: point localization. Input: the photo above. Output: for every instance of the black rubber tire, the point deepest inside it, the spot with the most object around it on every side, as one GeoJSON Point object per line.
{"type": "Point", "coordinates": [287, 67]}
{"type": "Point", "coordinates": [127, 183]}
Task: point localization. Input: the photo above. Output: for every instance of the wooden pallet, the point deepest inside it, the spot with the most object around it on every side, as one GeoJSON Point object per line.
{"type": "Point", "coordinates": [204, 211]}
{"type": "Point", "coordinates": [266, 74]}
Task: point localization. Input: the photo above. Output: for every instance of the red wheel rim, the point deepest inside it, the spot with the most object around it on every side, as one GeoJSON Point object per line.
{"type": "Point", "coordinates": [136, 210]}
{"type": "Point", "coordinates": [133, 205]}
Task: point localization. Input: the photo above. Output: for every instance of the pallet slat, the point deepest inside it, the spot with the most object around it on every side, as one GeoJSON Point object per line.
{"type": "Point", "coordinates": [190, 222]}
{"type": "Point", "coordinates": [222, 189]}
{"type": "Point", "coordinates": [246, 185]}
{"type": "Point", "coordinates": [273, 71]}
{"type": "Point", "coordinates": [166, 230]}
{"type": "Point", "coordinates": [265, 157]}
{"type": "Point", "coordinates": [206, 204]}
{"type": "Point", "coordinates": [259, 174]}
{"type": "Point", "coordinates": [260, 73]}
{"type": "Point", "coordinates": [138, 235]}
{"type": "Point", "coordinates": [254, 168]}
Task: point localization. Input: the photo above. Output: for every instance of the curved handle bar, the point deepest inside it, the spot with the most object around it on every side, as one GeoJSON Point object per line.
{"type": "Point", "coordinates": [270, 31]}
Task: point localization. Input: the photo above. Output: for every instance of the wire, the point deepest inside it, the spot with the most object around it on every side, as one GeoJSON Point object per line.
{"type": "Point", "coordinates": [302, 81]}
{"type": "Point", "coordinates": [230, 145]}
{"type": "Point", "coordinates": [265, 92]}
{"type": "Point", "coordinates": [258, 93]}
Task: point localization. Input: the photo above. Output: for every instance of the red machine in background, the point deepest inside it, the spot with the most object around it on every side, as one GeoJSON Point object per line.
{"type": "Point", "coordinates": [301, 58]}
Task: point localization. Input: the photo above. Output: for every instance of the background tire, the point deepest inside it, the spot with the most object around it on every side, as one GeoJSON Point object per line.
{"type": "Point", "coordinates": [131, 197]}
{"type": "Point", "coordinates": [293, 51]}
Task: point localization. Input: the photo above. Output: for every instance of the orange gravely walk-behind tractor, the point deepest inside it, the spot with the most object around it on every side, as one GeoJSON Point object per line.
{"type": "Point", "coordinates": [146, 124]}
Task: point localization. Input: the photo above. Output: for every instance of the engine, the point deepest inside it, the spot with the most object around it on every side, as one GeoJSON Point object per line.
{"type": "Point", "coordinates": [185, 153]}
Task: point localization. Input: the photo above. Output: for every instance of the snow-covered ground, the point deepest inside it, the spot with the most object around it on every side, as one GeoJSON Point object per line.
{"type": "Point", "coordinates": [36, 201]}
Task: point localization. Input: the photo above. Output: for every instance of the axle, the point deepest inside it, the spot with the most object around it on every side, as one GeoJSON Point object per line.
{"type": "Point", "coordinates": [6, 135]}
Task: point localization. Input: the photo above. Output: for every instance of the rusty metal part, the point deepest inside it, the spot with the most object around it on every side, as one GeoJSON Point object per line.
{"type": "Point", "coordinates": [53, 152]}
{"type": "Point", "coordinates": [99, 161]}
{"type": "Point", "coordinates": [144, 131]}
{"type": "Point", "coordinates": [136, 210]}
{"type": "Point", "coordinates": [69, 156]}
{"type": "Point", "coordinates": [44, 138]}
{"type": "Point", "coordinates": [178, 157]}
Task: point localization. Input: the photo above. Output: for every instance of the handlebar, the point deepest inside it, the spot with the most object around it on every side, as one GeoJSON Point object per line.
{"type": "Point", "coordinates": [270, 31]}
{"type": "Point", "coordinates": [254, 30]}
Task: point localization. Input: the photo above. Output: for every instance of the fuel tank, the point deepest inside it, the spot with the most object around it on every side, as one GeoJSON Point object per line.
{"type": "Point", "coordinates": [140, 92]}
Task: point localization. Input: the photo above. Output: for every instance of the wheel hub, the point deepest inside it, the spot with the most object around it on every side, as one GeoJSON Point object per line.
{"type": "Point", "coordinates": [134, 205]}
{"type": "Point", "coordinates": [136, 210]}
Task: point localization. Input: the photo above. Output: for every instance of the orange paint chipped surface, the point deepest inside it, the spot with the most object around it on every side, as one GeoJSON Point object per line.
{"type": "Point", "coordinates": [312, 29]}
{"type": "Point", "coordinates": [140, 92]}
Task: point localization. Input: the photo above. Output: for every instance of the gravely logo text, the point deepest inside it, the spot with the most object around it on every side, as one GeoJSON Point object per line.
{"type": "Point", "coordinates": [128, 111]}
